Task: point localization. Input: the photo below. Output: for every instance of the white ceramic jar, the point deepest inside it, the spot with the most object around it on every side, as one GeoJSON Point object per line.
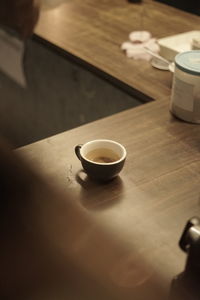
{"type": "Point", "coordinates": [185, 97]}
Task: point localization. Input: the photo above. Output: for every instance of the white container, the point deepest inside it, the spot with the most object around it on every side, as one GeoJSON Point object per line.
{"type": "Point", "coordinates": [185, 98]}
{"type": "Point", "coordinates": [170, 46]}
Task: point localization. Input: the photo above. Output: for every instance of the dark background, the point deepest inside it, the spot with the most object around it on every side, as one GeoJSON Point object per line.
{"type": "Point", "coordinates": [192, 6]}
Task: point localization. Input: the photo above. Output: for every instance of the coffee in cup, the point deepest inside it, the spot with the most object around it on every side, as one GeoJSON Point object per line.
{"type": "Point", "coordinates": [102, 155]}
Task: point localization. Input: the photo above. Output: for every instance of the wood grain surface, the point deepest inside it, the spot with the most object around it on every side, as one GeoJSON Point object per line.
{"type": "Point", "coordinates": [122, 237]}
{"type": "Point", "coordinates": [92, 31]}
{"type": "Point", "coordinates": [129, 244]}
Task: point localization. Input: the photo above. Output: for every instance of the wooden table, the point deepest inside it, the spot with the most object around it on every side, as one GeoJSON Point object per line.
{"type": "Point", "coordinates": [129, 244]}
{"type": "Point", "coordinates": [92, 31]}
{"type": "Point", "coordinates": [124, 234]}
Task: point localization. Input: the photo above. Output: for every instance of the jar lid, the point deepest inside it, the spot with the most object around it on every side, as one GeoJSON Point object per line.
{"type": "Point", "coordinates": [189, 62]}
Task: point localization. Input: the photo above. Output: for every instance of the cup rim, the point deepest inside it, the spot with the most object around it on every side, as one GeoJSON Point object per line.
{"type": "Point", "coordinates": [104, 140]}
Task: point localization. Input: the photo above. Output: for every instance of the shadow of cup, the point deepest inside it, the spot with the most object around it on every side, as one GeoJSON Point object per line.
{"type": "Point", "coordinates": [96, 195]}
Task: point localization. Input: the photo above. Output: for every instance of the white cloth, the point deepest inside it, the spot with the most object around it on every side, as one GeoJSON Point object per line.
{"type": "Point", "coordinates": [138, 41]}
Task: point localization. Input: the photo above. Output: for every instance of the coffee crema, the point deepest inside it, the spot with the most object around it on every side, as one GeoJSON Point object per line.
{"type": "Point", "coordinates": [102, 155]}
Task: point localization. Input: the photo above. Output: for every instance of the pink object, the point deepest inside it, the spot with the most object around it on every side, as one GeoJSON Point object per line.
{"type": "Point", "coordinates": [138, 54]}
{"type": "Point", "coordinates": [129, 45]}
{"type": "Point", "coordinates": [139, 36]}
{"type": "Point", "coordinates": [152, 45]}
{"type": "Point", "coordinates": [139, 40]}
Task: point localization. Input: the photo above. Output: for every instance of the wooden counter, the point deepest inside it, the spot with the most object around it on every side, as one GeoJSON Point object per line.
{"type": "Point", "coordinates": [91, 31]}
{"type": "Point", "coordinates": [130, 247]}
{"type": "Point", "coordinates": [127, 247]}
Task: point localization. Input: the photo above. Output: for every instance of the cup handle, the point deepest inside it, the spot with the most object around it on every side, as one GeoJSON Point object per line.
{"type": "Point", "coordinates": [77, 151]}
